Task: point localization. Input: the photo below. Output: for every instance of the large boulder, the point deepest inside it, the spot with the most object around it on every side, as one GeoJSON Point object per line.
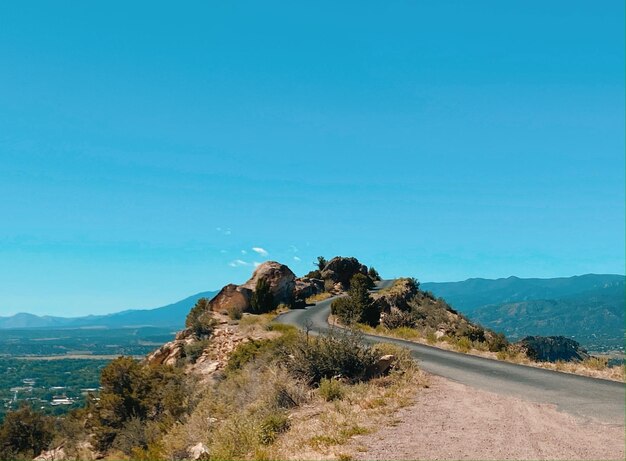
{"type": "Point", "coordinates": [231, 297]}
{"type": "Point", "coordinates": [552, 349]}
{"type": "Point", "coordinates": [281, 280]}
{"type": "Point", "coordinates": [341, 270]}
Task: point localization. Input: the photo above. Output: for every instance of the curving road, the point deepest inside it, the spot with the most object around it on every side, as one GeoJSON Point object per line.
{"type": "Point", "coordinates": [581, 396]}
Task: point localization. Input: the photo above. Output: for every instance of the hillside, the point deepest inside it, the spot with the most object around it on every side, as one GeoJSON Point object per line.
{"type": "Point", "coordinates": [172, 315]}
{"type": "Point", "coordinates": [588, 308]}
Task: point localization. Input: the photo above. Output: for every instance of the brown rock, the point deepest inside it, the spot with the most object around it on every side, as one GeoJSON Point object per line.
{"type": "Point", "coordinates": [306, 287]}
{"type": "Point", "coordinates": [341, 270]}
{"type": "Point", "coordinates": [231, 297]}
{"type": "Point", "coordinates": [281, 279]}
{"type": "Point", "coordinates": [382, 366]}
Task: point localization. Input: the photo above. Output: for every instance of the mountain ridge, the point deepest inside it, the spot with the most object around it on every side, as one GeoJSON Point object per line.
{"type": "Point", "coordinates": [170, 315]}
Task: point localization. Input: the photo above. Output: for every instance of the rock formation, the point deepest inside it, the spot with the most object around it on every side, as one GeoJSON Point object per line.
{"type": "Point", "coordinates": [552, 349]}
{"type": "Point", "coordinates": [281, 280]}
{"type": "Point", "coordinates": [341, 270]}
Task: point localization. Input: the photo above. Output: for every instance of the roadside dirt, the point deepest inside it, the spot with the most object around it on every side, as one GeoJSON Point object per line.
{"type": "Point", "coordinates": [451, 421]}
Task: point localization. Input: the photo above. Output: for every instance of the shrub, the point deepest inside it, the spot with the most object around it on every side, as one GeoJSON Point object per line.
{"type": "Point", "coordinates": [463, 344]}
{"type": "Point", "coordinates": [497, 342]}
{"type": "Point", "coordinates": [330, 355]}
{"type": "Point", "coordinates": [321, 263]}
{"type": "Point", "coordinates": [194, 350]}
{"type": "Point", "coordinates": [596, 363]}
{"type": "Point", "coordinates": [431, 337]}
{"type": "Point", "coordinates": [130, 390]}
{"type": "Point", "coordinates": [331, 389]}
{"type": "Point", "coordinates": [345, 310]}
{"type": "Point", "coordinates": [24, 433]}
{"type": "Point", "coordinates": [262, 299]}
{"type": "Point", "coordinates": [397, 319]}
{"type": "Point", "coordinates": [235, 313]}
{"type": "Point", "coordinates": [244, 353]}
{"type": "Point", "coordinates": [373, 274]}
{"type": "Point", "coordinates": [314, 275]}
{"type": "Point", "coordinates": [199, 318]}
{"type": "Point", "coordinates": [273, 424]}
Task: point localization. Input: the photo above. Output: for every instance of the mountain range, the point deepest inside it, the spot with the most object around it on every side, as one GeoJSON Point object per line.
{"type": "Point", "coordinates": [588, 308]}
{"type": "Point", "coordinates": [173, 315]}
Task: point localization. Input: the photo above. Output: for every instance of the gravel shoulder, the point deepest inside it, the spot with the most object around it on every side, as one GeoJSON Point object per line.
{"type": "Point", "coordinates": [450, 421]}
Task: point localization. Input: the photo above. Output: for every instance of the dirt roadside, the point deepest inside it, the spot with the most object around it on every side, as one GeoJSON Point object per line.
{"type": "Point", "coordinates": [451, 421]}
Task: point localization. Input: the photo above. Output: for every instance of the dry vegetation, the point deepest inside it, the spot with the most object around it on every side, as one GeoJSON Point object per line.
{"type": "Point", "coordinates": [266, 409]}
{"type": "Point", "coordinates": [596, 367]}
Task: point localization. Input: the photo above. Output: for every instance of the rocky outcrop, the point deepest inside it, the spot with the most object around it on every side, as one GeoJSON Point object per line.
{"type": "Point", "coordinates": [281, 280]}
{"type": "Point", "coordinates": [231, 297]}
{"type": "Point", "coordinates": [306, 287]}
{"type": "Point", "coordinates": [341, 270]}
{"type": "Point", "coordinates": [172, 352]}
{"type": "Point", "coordinates": [552, 349]}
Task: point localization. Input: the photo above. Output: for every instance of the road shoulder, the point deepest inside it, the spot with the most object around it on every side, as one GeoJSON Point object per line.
{"type": "Point", "coordinates": [450, 420]}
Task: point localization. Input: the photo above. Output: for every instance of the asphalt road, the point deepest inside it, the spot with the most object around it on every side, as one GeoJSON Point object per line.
{"type": "Point", "coordinates": [581, 396]}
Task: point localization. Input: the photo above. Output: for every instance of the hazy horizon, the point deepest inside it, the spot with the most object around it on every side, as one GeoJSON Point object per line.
{"type": "Point", "coordinates": [149, 151]}
{"type": "Point", "coordinates": [184, 296]}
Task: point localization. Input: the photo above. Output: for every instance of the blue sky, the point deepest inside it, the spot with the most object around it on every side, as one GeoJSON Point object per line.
{"type": "Point", "coordinates": [147, 147]}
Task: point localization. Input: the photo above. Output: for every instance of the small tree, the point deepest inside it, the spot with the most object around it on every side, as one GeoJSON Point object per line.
{"type": "Point", "coordinates": [321, 263]}
{"type": "Point", "coordinates": [373, 274]}
{"type": "Point", "coordinates": [262, 298]}
{"type": "Point", "coordinates": [24, 433]}
{"type": "Point", "coordinates": [199, 318]}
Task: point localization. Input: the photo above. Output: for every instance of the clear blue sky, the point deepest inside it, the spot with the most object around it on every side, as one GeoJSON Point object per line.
{"type": "Point", "coordinates": [146, 146]}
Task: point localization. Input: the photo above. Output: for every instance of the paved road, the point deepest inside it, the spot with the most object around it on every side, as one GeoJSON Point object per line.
{"type": "Point", "coordinates": [578, 395]}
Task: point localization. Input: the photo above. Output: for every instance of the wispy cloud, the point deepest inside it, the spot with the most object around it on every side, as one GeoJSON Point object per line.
{"type": "Point", "coordinates": [244, 252]}
{"type": "Point", "coordinates": [239, 263]}
{"type": "Point", "coordinates": [295, 258]}
{"type": "Point", "coordinates": [223, 231]}
{"type": "Point", "coordinates": [261, 251]}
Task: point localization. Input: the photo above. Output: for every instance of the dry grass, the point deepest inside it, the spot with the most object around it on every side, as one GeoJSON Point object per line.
{"type": "Point", "coordinates": [322, 429]}
{"type": "Point", "coordinates": [318, 297]}
{"type": "Point", "coordinates": [594, 367]}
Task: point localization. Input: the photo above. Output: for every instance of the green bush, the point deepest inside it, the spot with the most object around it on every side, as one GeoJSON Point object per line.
{"type": "Point", "coordinates": [497, 342]}
{"type": "Point", "coordinates": [331, 389]}
{"type": "Point", "coordinates": [244, 353]}
{"type": "Point", "coordinates": [24, 433]}
{"type": "Point", "coordinates": [235, 313]}
{"type": "Point", "coordinates": [345, 310]}
{"type": "Point", "coordinates": [200, 319]}
{"type": "Point", "coordinates": [398, 319]}
{"type": "Point", "coordinates": [194, 350]}
{"type": "Point", "coordinates": [262, 299]}
{"type": "Point", "coordinates": [464, 344]}
{"type": "Point", "coordinates": [273, 424]}
{"type": "Point", "coordinates": [373, 274]}
{"type": "Point", "coordinates": [330, 355]}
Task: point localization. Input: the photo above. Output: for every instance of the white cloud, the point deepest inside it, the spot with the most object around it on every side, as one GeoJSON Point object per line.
{"type": "Point", "coordinates": [244, 252]}
{"type": "Point", "coordinates": [223, 251]}
{"type": "Point", "coordinates": [260, 251]}
{"type": "Point", "coordinates": [239, 263]}
{"type": "Point", "coordinates": [293, 248]}
{"type": "Point", "coordinates": [257, 264]}
{"type": "Point", "coordinates": [295, 258]}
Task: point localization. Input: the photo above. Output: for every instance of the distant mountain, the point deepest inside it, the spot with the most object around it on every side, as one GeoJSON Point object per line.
{"type": "Point", "coordinates": [172, 315]}
{"type": "Point", "coordinates": [474, 293]}
{"type": "Point", "coordinates": [589, 308]}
